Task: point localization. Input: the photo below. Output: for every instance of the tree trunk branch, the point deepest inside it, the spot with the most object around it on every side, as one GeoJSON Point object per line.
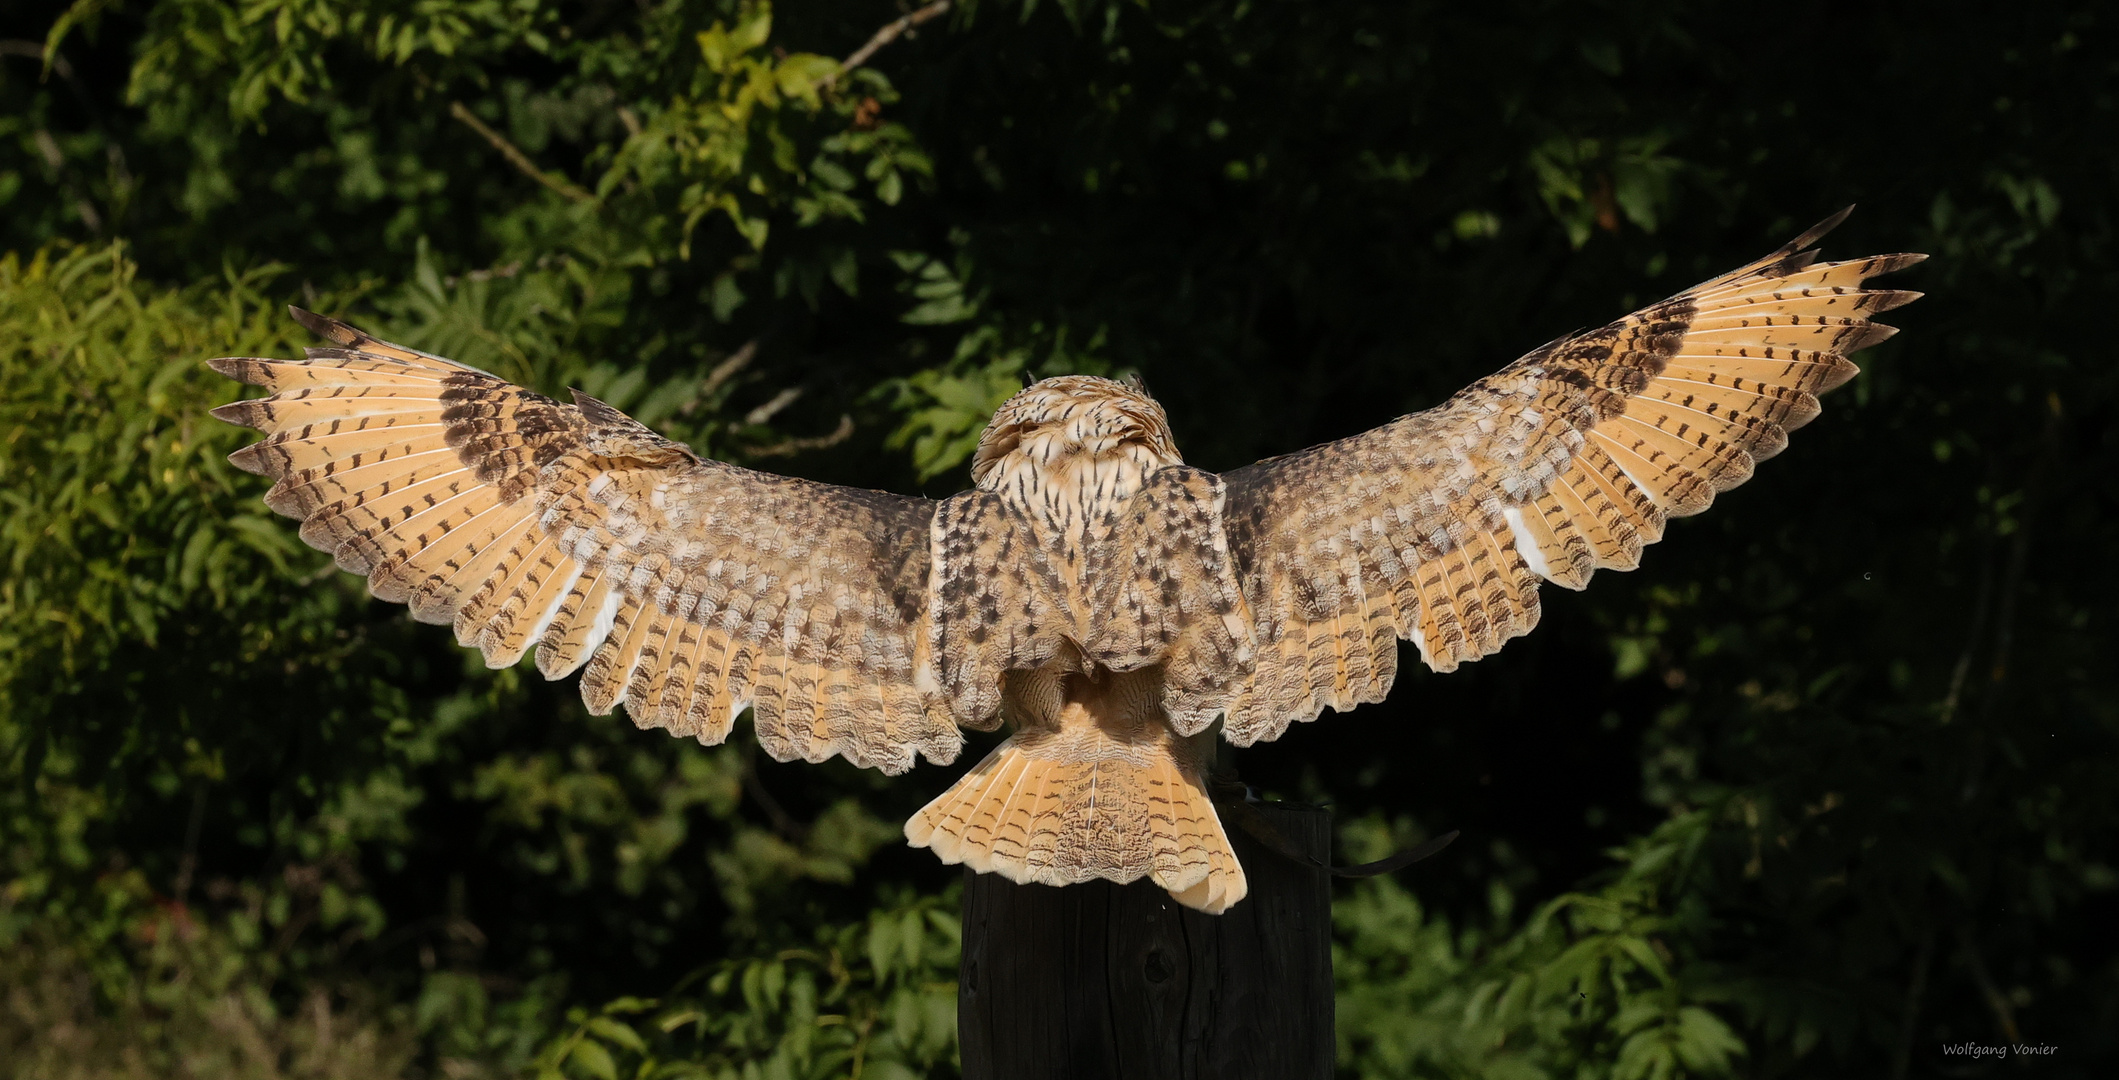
{"type": "Point", "coordinates": [517, 158]}
{"type": "Point", "coordinates": [890, 32]}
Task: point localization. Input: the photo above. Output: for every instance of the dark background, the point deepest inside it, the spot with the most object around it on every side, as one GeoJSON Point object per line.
{"type": "Point", "coordinates": [1829, 779]}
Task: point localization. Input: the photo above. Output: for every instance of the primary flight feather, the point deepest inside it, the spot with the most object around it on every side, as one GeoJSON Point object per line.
{"type": "Point", "coordinates": [1102, 597]}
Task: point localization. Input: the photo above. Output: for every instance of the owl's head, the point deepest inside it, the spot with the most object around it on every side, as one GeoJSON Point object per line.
{"type": "Point", "coordinates": [1054, 420]}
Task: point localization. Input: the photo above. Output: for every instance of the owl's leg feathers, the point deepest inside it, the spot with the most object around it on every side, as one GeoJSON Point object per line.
{"type": "Point", "coordinates": [1055, 812]}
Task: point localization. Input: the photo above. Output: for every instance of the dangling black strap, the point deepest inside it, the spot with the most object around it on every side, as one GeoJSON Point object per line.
{"type": "Point", "coordinates": [1241, 811]}
{"type": "Point", "coordinates": [1396, 862]}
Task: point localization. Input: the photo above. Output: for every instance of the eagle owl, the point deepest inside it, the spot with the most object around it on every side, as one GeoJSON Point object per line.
{"type": "Point", "coordinates": [1106, 600]}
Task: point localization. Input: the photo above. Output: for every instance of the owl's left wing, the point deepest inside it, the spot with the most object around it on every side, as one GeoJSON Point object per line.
{"type": "Point", "coordinates": [686, 588]}
{"type": "Point", "coordinates": [1437, 526]}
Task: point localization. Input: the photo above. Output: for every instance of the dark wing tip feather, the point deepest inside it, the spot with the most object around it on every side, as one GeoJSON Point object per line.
{"type": "Point", "coordinates": [1815, 232]}
{"type": "Point", "coordinates": [600, 413]}
{"type": "Point", "coordinates": [1881, 300]}
{"type": "Point", "coordinates": [1793, 264]}
{"type": "Point", "coordinates": [254, 459]}
{"type": "Point", "coordinates": [286, 502]}
{"type": "Point", "coordinates": [245, 413]}
{"type": "Point", "coordinates": [1838, 376]}
{"type": "Point", "coordinates": [1864, 336]}
{"type": "Point", "coordinates": [325, 327]}
{"type": "Point", "coordinates": [245, 369]}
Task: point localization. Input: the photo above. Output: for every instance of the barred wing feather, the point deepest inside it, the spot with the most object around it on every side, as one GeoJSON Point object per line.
{"type": "Point", "coordinates": [1438, 526]}
{"type": "Point", "coordinates": [684, 588]}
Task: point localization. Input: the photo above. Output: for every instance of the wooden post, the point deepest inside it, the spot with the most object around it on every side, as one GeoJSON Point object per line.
{"type": "Point", "coordinates": [1120, 982]}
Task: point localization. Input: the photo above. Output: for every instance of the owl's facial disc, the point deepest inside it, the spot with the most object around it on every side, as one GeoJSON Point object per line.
{"type": "Point", "coordinates": [1074, 415]}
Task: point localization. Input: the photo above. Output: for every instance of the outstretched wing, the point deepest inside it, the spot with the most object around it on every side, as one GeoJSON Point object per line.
{"type": "Point", "coordinates": [1437, 526]}
{"type": "Point", "coordinates": [687, 588]}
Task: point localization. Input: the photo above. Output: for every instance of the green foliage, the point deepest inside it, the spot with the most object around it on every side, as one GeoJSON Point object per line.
{"type": "Point", "coordinates": [1589, 187]}
{"type": "Point", "coordinates": [947, 409]}
{"type": "Point", "coordinates": [739, 136]}
{"type": "Point", "coordinates": [1588, 986]}
{"type": "Point", "coordinates": [1823, 787]}
{"type": "Point", "coordinates": [193, 1007]}
{"type": "Point", "coordinates": [107, 456]}
{"type": "Point", "coordinates": [875, 999]}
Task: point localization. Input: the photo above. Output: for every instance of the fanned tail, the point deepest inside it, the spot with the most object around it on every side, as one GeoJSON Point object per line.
{"type": "Point", "coordinates": [1121, 816]}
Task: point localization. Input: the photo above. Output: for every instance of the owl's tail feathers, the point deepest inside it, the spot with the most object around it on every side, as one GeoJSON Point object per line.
{"type": "Point", "coordinates": [1031, 818]}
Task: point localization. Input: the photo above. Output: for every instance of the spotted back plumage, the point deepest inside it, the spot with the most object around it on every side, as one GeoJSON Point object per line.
{"type": "Point", "coordinates": [1103, 597]}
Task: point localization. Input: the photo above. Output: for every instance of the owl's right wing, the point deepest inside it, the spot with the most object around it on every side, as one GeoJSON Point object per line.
{"type": "Point", "coordinates": [688, 588]}
{"type": "Point", "coordinates": [1438, 526]}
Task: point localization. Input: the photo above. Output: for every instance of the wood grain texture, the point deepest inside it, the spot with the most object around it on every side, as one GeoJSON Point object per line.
{"type": "Point", "coordinates": [1116, 982]}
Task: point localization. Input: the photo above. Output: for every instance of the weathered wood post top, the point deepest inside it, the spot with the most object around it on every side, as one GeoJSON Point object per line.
{"type": "Point", "coordinates": [1119, 982]}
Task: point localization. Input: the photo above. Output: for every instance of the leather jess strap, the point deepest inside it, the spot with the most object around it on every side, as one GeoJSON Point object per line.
{"type": "Point", "coordinates": [1243, 812]}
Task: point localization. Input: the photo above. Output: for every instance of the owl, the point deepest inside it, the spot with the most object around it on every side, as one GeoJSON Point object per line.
{"type": "Point", "coordinates": [1118, 609]}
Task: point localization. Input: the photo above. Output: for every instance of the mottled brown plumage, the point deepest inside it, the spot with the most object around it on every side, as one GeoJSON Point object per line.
{"type": "Point", "coordinates": [1103, 598]}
